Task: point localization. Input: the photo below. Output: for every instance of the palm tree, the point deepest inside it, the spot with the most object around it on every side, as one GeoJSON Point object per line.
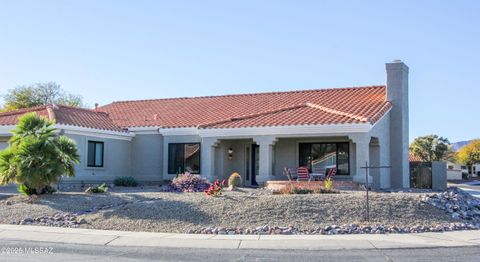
{"type": "Point", "coordinates": [37, 157]}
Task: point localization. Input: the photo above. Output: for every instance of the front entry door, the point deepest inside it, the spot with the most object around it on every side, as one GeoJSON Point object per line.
{"type": "Point", "coordinates": [255, 164]}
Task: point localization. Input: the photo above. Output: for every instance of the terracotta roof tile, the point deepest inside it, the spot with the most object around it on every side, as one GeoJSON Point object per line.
{"type": "Point", "coordinates": [414, 158]}
{"type": "Point", "coordinates": [65, 115]}
{"type": "Point", "coordinates": [339, 106]}
{"type": "Point", "coordinates": [306, 107]}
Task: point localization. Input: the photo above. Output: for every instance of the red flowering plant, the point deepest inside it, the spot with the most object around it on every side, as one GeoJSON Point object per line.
{"type": "Point", "coordinates": [215, 189]}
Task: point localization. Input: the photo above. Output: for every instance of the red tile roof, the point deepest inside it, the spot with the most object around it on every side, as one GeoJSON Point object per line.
{"type": "Point", "coordinates": [414, 158]}
{"type": "Point", "coordinates": [306, 107]}
{"type": "Point", "coordinates": [65, 115]}
{"type": "Point", "coordinates": [322, 106]}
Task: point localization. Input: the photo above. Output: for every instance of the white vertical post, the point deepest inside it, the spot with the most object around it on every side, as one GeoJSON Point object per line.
{"type": "Point", "coordinates": [207, 155]}
{"type": "Point", "coordinates": [266, 154]}
{"type": "Point", "coordinates": [362, 155]}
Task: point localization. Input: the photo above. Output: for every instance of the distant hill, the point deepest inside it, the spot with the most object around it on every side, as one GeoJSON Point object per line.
{"type": "Point", "coordinates": [457, 145]}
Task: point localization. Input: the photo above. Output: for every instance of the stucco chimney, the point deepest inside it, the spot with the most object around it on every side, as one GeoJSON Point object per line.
{"type": "Point", "coordinates": [397, 93]}
{"type": "Point", "coordinates": [96, 107]}
{"type": "Point", "coordinates": [51, 112]}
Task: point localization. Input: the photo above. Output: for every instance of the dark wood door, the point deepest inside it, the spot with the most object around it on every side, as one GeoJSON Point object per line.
{"type": "Point", "coordinates": [254, 164]}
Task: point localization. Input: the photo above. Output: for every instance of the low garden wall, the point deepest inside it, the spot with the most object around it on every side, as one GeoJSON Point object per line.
{"type": "Point", "coordinates": [277, 186]}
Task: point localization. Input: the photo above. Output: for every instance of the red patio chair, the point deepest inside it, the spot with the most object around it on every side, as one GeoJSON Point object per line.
{"type": "Point", "coordinates": [331, 173]}
{"type": "Point", "coordinates": [303, 174]}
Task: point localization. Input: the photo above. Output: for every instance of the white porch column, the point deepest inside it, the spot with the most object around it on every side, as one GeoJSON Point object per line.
{"type": "Point", "coordinates": [362, 156]}
{"type": "Point", "coordinates": [266, 144]}
{"type": "Point", "coordinates": [208, 158]}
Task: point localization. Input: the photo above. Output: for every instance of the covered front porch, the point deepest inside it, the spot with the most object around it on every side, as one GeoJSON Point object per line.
{"type": "Point", "coordinates": [262, 159]}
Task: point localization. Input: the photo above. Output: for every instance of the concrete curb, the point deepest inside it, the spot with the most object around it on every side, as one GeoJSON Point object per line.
{"type": "Point", "coordinates": [283, 242]}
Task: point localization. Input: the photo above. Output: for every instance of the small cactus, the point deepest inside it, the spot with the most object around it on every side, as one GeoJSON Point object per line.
{"type": "Point", "coordinates": [235, 180]}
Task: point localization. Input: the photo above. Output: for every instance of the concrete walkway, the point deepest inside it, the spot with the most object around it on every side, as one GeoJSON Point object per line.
{"type": "Point", "coordinates": [284, 242]}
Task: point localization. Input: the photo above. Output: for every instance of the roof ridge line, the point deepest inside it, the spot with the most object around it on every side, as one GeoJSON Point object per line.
{"type": "Point", "coordinates": [79, 108]}
{"type": "Point", "coordinates": [248, 94]}
{"type": "Point", "coordinates": [252, 115]}
{"type": "Point", "coordinates": [338, 112]}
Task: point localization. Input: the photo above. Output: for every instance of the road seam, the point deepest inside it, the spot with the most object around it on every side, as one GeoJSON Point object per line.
{"type": "Point", "coordinates": [451, 240]}
{"type": "Point", "coordinates": [380, 251]}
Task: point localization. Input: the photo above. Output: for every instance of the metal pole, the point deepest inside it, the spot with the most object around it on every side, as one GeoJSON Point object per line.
{"type": "Point", "coordinates": [366, 186]}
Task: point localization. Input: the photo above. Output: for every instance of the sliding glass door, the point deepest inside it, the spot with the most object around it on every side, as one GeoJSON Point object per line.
{"type": "Point", "coordinates": [318, 157]}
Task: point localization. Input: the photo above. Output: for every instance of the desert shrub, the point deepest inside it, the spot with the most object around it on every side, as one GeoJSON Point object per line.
{"type": "Point", "coordinates": [189, 183]}
{"type": "Point", "coordinates": [126, 181]}
{"type": "Point", "coordinates": [235, 180]}
{"type": "Point", "coordinates": [103, 188]}
{"type": "Point", "coordinates": [215, 189]}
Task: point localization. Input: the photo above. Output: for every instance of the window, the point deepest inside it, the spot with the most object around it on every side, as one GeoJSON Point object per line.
{"type": "Point", "coordinates": [184, 158]}
{"type": "Point", "coordinates": [318, 157]}
{"type": "Point", "coordinates": [95, 154]}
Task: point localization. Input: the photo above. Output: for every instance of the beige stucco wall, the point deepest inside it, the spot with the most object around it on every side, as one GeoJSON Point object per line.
{"type": "Point", "coordinates": [381, 130]}
{"type": "Point", "coordinates": [147, 157]}
{"type": "Point", "coordinates": [3, 142]}
{"type": "Point", "coordinates": [117, 160]}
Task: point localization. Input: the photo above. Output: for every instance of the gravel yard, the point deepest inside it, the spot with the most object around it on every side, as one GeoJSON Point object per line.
{"type": "Point", "coordinates": [134, 210]}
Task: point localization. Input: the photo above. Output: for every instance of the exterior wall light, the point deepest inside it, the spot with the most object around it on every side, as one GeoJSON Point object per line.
{"type": "Point", "coordinates": [230, 153]}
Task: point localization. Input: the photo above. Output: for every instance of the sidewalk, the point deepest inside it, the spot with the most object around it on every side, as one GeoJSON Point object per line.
{"type": "Point", "coordinates": [284, 242]}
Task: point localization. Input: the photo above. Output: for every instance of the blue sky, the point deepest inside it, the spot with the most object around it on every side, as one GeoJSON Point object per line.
{"type": "Point", "coordinates": [122, 50]}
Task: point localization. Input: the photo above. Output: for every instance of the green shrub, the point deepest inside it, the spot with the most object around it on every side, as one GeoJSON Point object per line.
{"type": "Point", "coordinates": [24, 189]}
{"type": "Point", "coordinates": [126, 181]}
{"type": "Point", "coordinates": [48, 190]}
{"type": "Point", "coordinates": [103, 188]}
{"type": "Point", "coordinates": [329, 184]}
{"type": "Point", "coordinates": [235, 180]}
{"type": "Point", "coordinates": [297, 190]}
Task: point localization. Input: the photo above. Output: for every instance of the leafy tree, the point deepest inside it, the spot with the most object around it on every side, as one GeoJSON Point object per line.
{"type": "Point", "coordinates": [37, 157]}
{"type": "Point", "coordinates": [430, 148]}
{"type": "Point", "coordinates": [39, 94]}
{"type": "Point", "coordinates": [469, 154]}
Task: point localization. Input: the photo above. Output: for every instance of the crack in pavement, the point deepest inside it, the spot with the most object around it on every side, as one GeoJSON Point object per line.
{"type": "Point", "coordinates": [110, 241]}
{"type": "Point", "coordinates": [239, 243]}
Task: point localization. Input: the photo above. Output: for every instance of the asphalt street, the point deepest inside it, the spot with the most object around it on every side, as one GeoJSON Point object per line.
{"type": "Point", "coordinates": [25, 251]}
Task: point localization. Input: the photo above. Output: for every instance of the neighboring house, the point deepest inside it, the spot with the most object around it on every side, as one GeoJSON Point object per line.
{"type": "Point", "coordinates": [256, 135]}
{"type": "Point", "coordinates": [455, 171]}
